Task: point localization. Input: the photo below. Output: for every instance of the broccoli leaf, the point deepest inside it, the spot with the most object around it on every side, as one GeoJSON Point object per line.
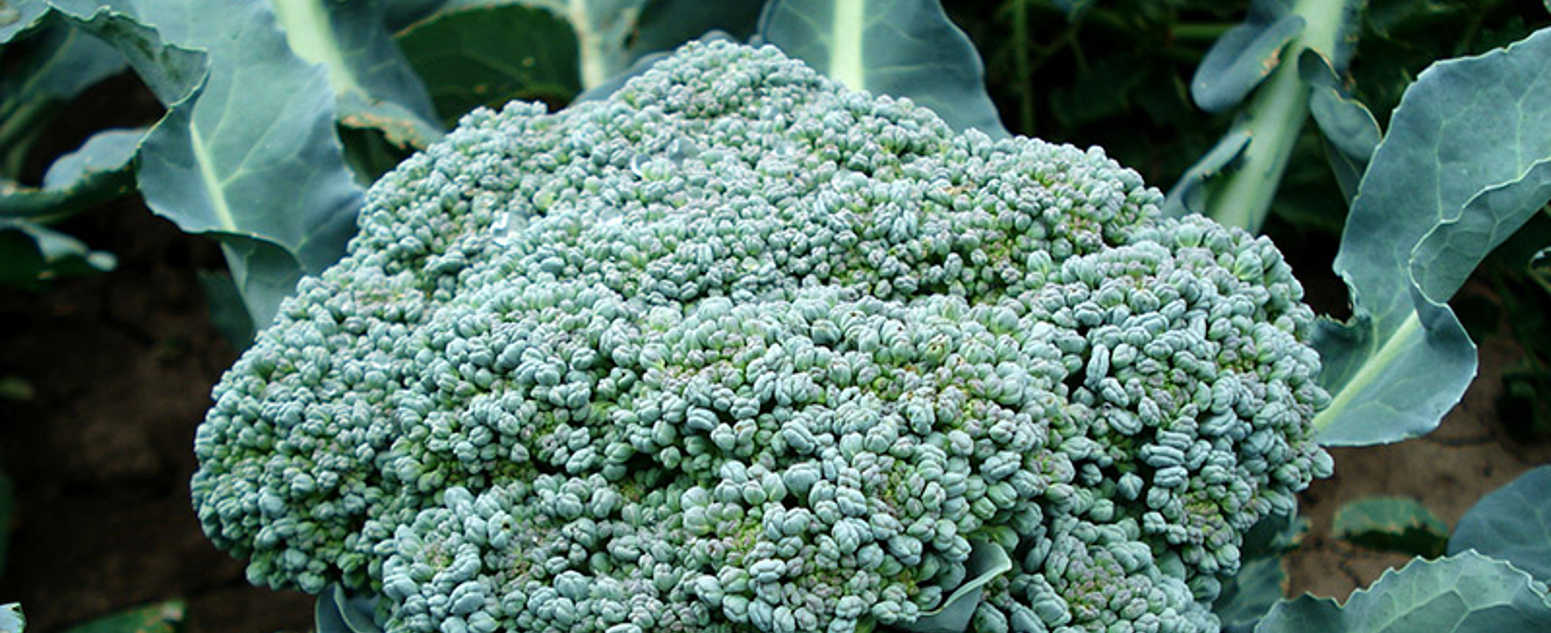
{"type": "Point", "coordinates": [18, 17]}
{"type": "Point", "coordinates": [32, 253]}
{"type": "Point", "coordinates": [1244, 56]}
{"type": "Point", "coordinates": [1391, 523]}
{"type": "Point", "coordinates": [1347, 128]}
{"type": "Point", "coordinates": [45, 68]}
{"type": "Point", "coordinates": [1465, 593]}
{"type": "Point", "coordinates": [1189, 195]}
{"type": "Point", "coordinates": [1467, 146]}
{"type": "Point", "coordinates": [168, 66]}
{"type": "Point", "coordinates": [337, 612]}
{"type": "Point", "coordinates": [665, 24]}
{"type": "Point", "coordinates": [246, 165]}
{"type": "Point", "coordinates": [11, 618]}
{"type": "Point", "coordinates": [373, 82]}
{"type": "Point", "coordinates": [1261, 581]}
{"type": "Point", "coordinates": [1512, 523]}
{"type": "Point", "coordinates": [98, 171]}
{"type": "Point", "coordinates": [486, 56]}
{"type": "Point", "coordinates": [227, 313]}
{"type": "Point", "coordinates": [987, 561]}
{"type": "Point", "coordinates": [161, 617]}
{"type": "Point", "coordinates": [901, 48]}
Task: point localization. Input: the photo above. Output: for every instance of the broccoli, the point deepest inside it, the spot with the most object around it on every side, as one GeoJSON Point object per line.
{"type": "Point", "coordinates": [737, 349]}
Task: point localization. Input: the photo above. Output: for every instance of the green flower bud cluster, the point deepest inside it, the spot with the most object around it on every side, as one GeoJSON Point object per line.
{"type": "Point", "coordinates": [737, 349]}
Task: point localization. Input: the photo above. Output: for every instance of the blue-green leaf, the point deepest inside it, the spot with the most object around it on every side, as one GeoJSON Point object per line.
{"type": "Point", "coordinates": [1465, 127]}
{"type": "Point", "coordinates": [56, 64]}
{"type": "Point", "coordinates": [1464, 593]}
{"type": "Point", "coordinates": [1274, 114]}
{"type": "Point", "coordinates": [227, 312]}
{"type": "Point", "coordinates": [17, 16]}
{"type": "Point", "coordinates": [337, 612]}
{"type": "Point", "coordinates": [486, 56]}
{"type": "Point", "coordinates": [1396, 524]}
{"type": "Point", "coordinates": [31, 253]}
{"type": "Point", "coordinates": [168, 66]}
{"type": "Point", "coordinates": [665, 24]}
{"type": "Point", "coordinates": [1261, 580]}
{"type": "Point", "coordinates": [987, 560]}
{"type": "Point", "coordinates": [901, 48]}
{"type": "Point", "coordinates": [373, 82]}
{"type": "Point", "coordinates": [1246, 598]}
{"type": "Point", "coordinates": [1189, 194]}
{"type": "Point", "coordinates": [1450, 251]}
{"type": "Point", "coordinates": [161, 617]}
{"type": "Point", "coordinates": [1244, 56]}
{"type": "Point", "coordinates": [11, 618]}
{"type": "Point", "coordinates": [1512, 523]}
{"type": "Point", "coordinates": [1348, 129]}
{"type": "Point", "coordinates": [603, 29]}
{"type": "Point", "coordinates": [98, 171]}
{"type": "Point", "coordinates": [253, 156]}
{"type": "Point", "coordinates": [645, 63]}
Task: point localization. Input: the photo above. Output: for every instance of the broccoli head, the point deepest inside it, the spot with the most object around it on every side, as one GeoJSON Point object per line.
{"type": "Point", "coordinates": [738, 349]}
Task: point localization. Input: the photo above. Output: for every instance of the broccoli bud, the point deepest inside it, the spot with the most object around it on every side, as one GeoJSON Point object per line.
{"type": "Point", "coordinates": [738, 349]}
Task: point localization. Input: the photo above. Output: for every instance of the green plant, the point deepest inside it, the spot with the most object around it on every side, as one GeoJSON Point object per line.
{"type": "Point", "coordinates": [734, 347]}
{"type": "Point", "coordinates": [1449, 164]}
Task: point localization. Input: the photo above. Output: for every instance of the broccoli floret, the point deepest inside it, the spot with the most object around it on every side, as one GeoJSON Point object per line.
{"type": "Point", "coordinates": [738, 349]}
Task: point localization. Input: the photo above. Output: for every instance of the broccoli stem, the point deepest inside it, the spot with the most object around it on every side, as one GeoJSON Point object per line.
{"type": "Point", "coordinates": [1274, 118]}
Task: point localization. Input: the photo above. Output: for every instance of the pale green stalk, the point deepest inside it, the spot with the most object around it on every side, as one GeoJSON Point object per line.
{"type": "Point", "coordinates": [1274, 117]}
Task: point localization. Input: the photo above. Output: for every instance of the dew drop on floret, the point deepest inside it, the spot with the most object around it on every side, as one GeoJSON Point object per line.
{"type": "Point", "coordinates": [737, 349]}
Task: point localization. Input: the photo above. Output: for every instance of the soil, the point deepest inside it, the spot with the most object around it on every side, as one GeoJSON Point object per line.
{"type": "Point", "coordinates": [122, 363]}
{"type": "Point", "coordinates": [121, 366]}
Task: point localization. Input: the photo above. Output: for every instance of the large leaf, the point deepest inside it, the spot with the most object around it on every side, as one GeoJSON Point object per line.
{"type": "Point", "coordinates": [1244, 56]}
{"type": "Point", "coordinates": [170, 67]}
{"type": "Point", "coordinates": [11, 618]}
{"type": "Point", "coordinates": [1512, 523]}
{"type": "Point", "coordinates": [1465, 593]}
{"type": "Point", "coordinates": [1465, 140]}
{"type": "Point", "coordinates": [227, 312]}
{"type": "Point", "coordinates": [373, 83]}
{"type": "Point", "coordinates": [252, 156]}
{"type": "Point", "coordinates": [486, 56]}
{"type": "Point", "coordinates": [605, 40]}
{"type": "Point", "coordinates": [1396, 524]}
{"type": "Point", "coordinates": [1452, 249]}
{"type": "Point", "coordinates": [162, 617]}
{"type": "Point", "coordinates": [602, 28]}
{"type": "Point", "coordinates": [665, 24]}
{"type": "Point", "coordinates": [901, 48]}
{"type": "Point", "coordinates": [44, 69]}
{"type": "Point", "coordinates": [31, 253]}
{"type": "Point", "coordinates": [98, 171]}
{"type": "Point", "coordinates": [1347, 128]}
{"type": "Point", "coordinates": [1261, 581]}
{"type": "Point", "coordinates": [17, 16]}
